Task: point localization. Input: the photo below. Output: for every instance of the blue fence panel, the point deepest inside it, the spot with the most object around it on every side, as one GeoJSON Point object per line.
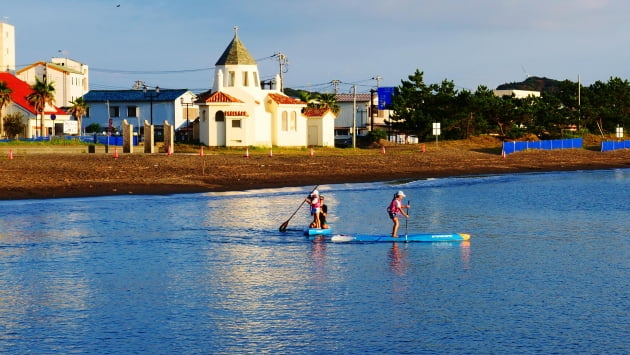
{"type": "Point", "coordinates": [512, 147]}
{"type": "Point", "coordinates": [614, 145]}
{"type": "Point", "coordinates": [509, 147]}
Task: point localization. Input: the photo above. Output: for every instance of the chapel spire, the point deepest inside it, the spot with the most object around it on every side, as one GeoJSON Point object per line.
{"type": "Point", "coordinates": [236, 53]}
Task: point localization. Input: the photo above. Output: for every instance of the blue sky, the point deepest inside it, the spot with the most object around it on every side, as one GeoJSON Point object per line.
{"type": "Point", "coordinates": [174, 44]}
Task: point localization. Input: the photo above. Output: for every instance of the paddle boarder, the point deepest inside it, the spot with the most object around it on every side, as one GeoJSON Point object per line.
{"type": "Point", "coordinates": [395, 209]}
{"type": "Point", "coordinates": [315, 203]}
{"type": "Point", "coordinates": [323, 213]}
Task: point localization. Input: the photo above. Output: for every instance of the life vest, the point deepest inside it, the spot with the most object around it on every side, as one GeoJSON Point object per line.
{"type": "Point", "coordinates": [394, 207]}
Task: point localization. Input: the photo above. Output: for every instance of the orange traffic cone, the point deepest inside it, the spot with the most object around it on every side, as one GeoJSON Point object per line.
{"type": "Point", "coordinates": [169, 150]}
{"type": "Point", "coordinates": [246, 153]}
{"type": "Point", "coordinates": [382, 149]}
{"type": "Point", "coordinates": [311, 153]}
{"type": "Point", "coordinates": [423, 148]}
{"type": "Point", "coordinates": [503, 154]}
{"type": "Point", "coordinates": [201, 151]}
{"type": "Point", "coordinates": [115, 153]}
{"type": "Point", "coordinates": [270, 153]}
{"type": "Point", "coordinates": [10, 154]}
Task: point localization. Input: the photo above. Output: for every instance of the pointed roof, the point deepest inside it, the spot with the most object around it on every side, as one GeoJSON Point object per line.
{"type": "Point", "coordinates": [236, 53]}
{"type": "Point", "coordinates": [20, 90]}
{"type": "Point", "coordinates": [222, 97]}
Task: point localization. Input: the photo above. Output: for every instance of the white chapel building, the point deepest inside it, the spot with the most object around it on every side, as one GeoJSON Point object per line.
{"type": "Point", "coordinates": [238, 112]}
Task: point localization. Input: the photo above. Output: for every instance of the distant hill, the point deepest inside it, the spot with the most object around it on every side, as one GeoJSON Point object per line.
{"type": "Point", "coordinates": [532, 83]}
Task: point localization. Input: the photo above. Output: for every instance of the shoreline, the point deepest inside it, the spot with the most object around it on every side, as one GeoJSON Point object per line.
{"type": "Point", "coordinates": [60, 175]}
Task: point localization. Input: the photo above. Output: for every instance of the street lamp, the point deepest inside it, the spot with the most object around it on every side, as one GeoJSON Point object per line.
{"type": "Point", "coordinates": [187, 120]}
{"type": "Point", "coordinates": [151, 94]}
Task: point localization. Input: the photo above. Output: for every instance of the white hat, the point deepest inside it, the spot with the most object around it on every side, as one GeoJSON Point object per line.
{"type": "Point", "coordinates": [400, 193]}
{"type": "Point", "coordinates": [315, 193]}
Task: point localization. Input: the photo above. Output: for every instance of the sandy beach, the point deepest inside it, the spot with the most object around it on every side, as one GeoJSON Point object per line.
{"type": "Point", "coordinates": [55, 172]}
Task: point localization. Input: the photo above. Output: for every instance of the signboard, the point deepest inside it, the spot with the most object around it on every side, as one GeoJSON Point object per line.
{"type": "Point", "coordinates": [70, 127]}
{"type": "Point", "coordinates": [385, 95]}
{"type": "Point", "coordinates": [436, 128]}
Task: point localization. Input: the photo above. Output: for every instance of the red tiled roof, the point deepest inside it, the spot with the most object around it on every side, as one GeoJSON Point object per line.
{"type": "Point", "coordinates": [21, 90]}
{"type": "Point", "coordinates": [285, 100]}
{"type": "Point", "coordinates": [315, 112]}
{"type": "Point", "coordinates": [222, 97]}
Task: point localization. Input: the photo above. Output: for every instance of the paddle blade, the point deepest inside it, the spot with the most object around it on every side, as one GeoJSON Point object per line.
{"type": "Point", "coordinates": [283, 227]}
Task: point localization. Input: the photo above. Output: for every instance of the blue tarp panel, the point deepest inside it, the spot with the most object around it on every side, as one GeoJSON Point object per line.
{"type": "Point", "coordinates": [512, 147]}
{"type": "Point", "coordinates": [614, 145]}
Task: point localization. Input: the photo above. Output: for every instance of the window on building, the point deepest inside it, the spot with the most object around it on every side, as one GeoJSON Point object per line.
{"type": "Point", "coordinates": [114, 111]}
{"type": "Point", "coordinates": [285, 121]}
{"type": "Point", "coordinates": [236, 123]}
{"type": "Point", "coordinates": [293, 126]}
{"type": "Point", "coordinates": [245, 78]}
{"type": "Point", "coordinates": [87, 112]}
{"type": "Point", "coordinates": [231, 78]}
{"type": "Point", "coordinates": [132, 111]}
{"type": "Point", "coordinates": [256, 82]}
{"type": "Point", "coordinates": [219, 116]}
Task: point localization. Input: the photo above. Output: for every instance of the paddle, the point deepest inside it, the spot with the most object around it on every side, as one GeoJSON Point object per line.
{"type": "Point", "coordinates": [283, 226]}
{"type": "Point", "coordinates": [406, 219]}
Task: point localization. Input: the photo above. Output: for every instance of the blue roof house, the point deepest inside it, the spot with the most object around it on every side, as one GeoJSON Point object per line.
{"type": "Point", "coordinates": [154, 105]}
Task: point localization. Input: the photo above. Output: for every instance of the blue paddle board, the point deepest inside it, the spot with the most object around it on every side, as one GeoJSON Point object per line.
{"type": "Point", "coordinates": [317, 231]}
{"type": "Point", "coordinates": [415, 237]}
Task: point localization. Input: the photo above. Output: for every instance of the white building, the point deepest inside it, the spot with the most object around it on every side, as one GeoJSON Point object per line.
{"type": "Point", "coordinates": [69, 77]}
{"type": "Point", "coordinates": [153, 105]}
{"type": "Point", "coordinates": [366, 117]}
{"type": "Point", "coordinates": [519, 94]}
{"type": "Point", "coordinates": [238, 112]}
{"type": "Point", "coordinates": [7, 47]}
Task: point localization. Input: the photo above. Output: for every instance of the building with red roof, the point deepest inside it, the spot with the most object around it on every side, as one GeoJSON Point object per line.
{"type": "Point", "coordinates": [238, 112]}
{"type": "Point", "coordinates": [19, 104]}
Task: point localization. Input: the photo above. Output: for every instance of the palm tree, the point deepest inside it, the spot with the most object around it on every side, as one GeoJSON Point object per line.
{"type": "Point", "coordinates": [43, 93]}
{"type": "Point", "coordinates": [5, 100]}
{"type": "Point", "coordinates": [330, 101]}
{"type": "Point", "coordinates": [78, 110]}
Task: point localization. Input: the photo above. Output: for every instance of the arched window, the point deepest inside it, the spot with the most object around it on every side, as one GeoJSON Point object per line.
{"type": "Point", "coordinates": [219, 116]}
{"type": "Point", "coordinates": [285, 121]}
{"type": "Point", "coordinates": [293, 121]}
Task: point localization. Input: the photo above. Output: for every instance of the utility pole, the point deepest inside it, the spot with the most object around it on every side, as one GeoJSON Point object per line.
{"type": "Point", "coordinates": [283, 62]}
{"type": "Point", "coordinates": [354, 117]}
{"type": "Point", "coordinates": [335, 84]}
{"type": "Point", "coordinates": [372, 92]}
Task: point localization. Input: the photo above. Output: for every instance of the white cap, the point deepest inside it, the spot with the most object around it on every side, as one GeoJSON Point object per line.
{"type": "Point", "coordinates": [315, 193]}
{"type": "Point", "coordinates": [400, 193]}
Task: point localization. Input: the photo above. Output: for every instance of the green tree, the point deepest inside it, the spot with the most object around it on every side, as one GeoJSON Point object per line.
{"type": "Point", "coordinates": [93, 128]}
{"type": "Point", "coordinates": [410, 106]}
{"type": "Point", "coordinates": [327, 100]}
{"type": "Point", "coordinates": [43, 94]}
{"type": "Point", "coordinates": [5, 100]}
{"type": "Point", "coordinates": [14, 125]}
{"type": "Point", "coordinates": [78, 110]}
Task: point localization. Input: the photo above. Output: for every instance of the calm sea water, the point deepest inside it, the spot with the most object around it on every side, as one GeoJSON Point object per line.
{"type": "Point", "coordinates": [547, 271]}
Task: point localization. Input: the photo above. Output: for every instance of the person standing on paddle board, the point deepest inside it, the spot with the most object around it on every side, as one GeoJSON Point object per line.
{"type": "Point", "coordinates": [395, 209]}
{"type": "Point", "coordinates": [315, 203]}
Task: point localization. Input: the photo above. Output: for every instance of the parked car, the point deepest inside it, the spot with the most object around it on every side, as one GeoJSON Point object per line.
{"type": "Point", "coordinates": [343, 142]}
